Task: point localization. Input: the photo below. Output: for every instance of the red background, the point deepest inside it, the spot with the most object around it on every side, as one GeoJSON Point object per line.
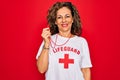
{"type": "Point", "coordinates": [21, 23]}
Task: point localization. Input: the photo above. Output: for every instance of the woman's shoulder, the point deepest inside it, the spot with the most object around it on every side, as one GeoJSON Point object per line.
{"type": "Point", "coordinates": [81, 38]}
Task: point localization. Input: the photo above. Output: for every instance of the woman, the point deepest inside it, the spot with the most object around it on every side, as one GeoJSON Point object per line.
{"type": "Point", "coordinates": [63, 54]}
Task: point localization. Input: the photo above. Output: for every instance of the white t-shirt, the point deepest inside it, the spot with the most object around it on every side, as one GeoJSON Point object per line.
{"type": "Point", "coordinates": [65, 62]}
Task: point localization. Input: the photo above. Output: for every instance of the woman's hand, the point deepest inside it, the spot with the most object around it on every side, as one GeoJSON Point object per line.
{"type": "Point", "coordinates": [46, 36]}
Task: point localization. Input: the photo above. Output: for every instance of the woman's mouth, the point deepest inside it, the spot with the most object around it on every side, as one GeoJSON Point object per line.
{"type": "Point", "coordinates": [64, 25]}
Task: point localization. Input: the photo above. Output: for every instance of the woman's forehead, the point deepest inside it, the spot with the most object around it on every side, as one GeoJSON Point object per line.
{"type": "Point", "coordinates": [63, 11]}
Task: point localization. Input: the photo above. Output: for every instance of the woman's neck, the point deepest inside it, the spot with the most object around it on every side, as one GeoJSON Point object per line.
{"type": "Point", "coordinates": [67, 35]}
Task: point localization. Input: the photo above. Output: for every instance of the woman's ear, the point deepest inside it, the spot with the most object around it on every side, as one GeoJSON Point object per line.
{"type": "Point", "coordinates": [72, 20]}
{"type": "Point", "coordinates": [55, 22]}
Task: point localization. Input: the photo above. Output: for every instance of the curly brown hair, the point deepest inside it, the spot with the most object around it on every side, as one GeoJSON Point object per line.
{"type": "Point", "coordinates": [52, 13]}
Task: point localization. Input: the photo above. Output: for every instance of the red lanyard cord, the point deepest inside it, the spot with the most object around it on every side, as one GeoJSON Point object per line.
{"type": "Point", "coordinates": [55, 43]}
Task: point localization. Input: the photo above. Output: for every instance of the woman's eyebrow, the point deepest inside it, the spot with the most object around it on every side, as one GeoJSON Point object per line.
{"type": "Point", "coordinates": [61, 15]}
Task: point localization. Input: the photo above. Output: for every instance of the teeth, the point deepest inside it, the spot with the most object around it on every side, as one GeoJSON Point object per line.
{"type": "Point", "coordinates": [64, 25]}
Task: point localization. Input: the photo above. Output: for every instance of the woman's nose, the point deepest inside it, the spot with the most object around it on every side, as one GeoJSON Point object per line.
{"type": "Point", "coordinates": [63, 19]}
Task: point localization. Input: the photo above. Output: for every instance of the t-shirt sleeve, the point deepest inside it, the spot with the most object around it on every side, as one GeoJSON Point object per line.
{"type": "Point", "coordinates": [39, 50]}
{"type": "Point", "coordinates": [86, 61]}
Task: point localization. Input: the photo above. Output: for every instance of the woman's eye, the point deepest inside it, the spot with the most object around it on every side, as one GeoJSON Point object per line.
{"type": "Point", "coordinates": [59, 17]}
{"type": "Point", "coordinates": [67, 16]}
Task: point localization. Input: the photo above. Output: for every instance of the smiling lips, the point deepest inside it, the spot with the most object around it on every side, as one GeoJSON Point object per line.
{"type": "Point", "coordinates": [64, 25]}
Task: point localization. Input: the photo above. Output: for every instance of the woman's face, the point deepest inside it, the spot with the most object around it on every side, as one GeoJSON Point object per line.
{"type": "Point", "coordinates": [64, 19]}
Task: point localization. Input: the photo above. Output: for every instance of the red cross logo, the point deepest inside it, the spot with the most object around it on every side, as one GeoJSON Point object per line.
{"type": "Point", "coordinates": [66, 61]}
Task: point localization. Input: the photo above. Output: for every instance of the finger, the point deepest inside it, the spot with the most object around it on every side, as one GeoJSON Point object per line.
{"type": "Point", "coordinates": [45, 34]}
{"type": "Point", "coordinates": [46, 29]}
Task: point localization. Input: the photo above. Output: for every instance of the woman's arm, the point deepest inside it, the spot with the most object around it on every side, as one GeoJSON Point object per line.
{"type": "Point", "coordinates": [86, 73]}
{"type": "Point", "coordinates": [42, 62]}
